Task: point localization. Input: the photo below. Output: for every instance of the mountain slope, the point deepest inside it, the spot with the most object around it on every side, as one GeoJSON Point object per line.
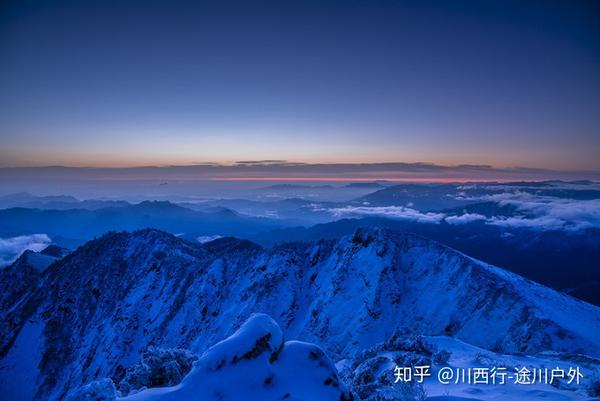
{"type": "Point", "coordinates": [93, 311]}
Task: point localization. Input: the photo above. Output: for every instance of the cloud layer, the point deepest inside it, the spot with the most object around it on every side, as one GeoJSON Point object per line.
{"type": "Point", "coordinates": [397, 212]}
{"type": "Point", "coordinates": [532, 211]}
{"type": "Point", "coordinates": [549, 213]}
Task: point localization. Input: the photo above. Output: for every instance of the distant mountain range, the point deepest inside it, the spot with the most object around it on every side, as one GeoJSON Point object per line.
{"type": "Point", "coordinates": [295, 186]}
{"type": "Point", "coordinates": [88, 315]}
{"type": "Point", "coordinates": [436, 197]}
{"type": "Point", "coordinates": [75, 226]}
{"type": "Point", "coordinates": [361, 185]}
{"type": "Point", "coordinates": [58, 202]}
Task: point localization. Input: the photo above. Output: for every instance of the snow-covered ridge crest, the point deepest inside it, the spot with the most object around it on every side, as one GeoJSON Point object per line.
{"type": "Point", "coordinates": [254, 364]}
{"type": "Point", "coordinates": [97, 308]}
{"type": "Point", "coordinates": [259, 337]}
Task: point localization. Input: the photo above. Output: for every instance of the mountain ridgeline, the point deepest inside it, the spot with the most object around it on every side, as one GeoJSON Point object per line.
{"type": "Point", "coordinates": [89, 314]}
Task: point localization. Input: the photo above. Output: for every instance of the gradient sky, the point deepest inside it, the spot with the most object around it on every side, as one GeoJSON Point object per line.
{"type": "Point", "coordinates": [124, 83]}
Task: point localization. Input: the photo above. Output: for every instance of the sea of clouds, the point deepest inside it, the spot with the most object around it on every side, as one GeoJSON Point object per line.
{"type": "Point", "coordinates": [533, 211]}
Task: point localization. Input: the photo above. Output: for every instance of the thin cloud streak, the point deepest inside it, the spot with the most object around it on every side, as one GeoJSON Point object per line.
{"type": "Point", "coordinates": [295, 171]}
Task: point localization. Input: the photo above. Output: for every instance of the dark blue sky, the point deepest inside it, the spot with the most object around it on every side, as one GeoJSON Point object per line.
{"type": "Point", "coordinates": [121, 83]}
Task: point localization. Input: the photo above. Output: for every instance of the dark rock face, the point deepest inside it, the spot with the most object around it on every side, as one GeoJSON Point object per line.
{"type": "Point", "coordinates": [54, 251]}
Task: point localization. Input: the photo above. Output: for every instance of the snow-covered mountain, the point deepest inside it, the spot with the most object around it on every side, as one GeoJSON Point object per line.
{"type": "Point", "coordinates": [89, 315]}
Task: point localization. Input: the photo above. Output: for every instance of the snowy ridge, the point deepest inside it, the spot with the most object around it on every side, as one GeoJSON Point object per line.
{"type": "Point", "coordinates": [97, 308]}
{"type": "Point", "coordinates": [254, 364]}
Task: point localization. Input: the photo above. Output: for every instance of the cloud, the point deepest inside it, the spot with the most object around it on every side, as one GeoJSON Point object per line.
{"type": "Point", "coordinates": [465, 218]}
{"type": "Point", "coordinates": [545, 212]}
{"type": "Point", "coordinates": [207, 238]}
{"type": "Point", "coordinates": [553, 213]}
{"type": "Point", "coordinates": [11, 248]}
{"type": "Point", "coordinates": [509, 197]}
{"type": "Point", "coordinates": [532, 212]}
{"type": "Point", "coordinates": [541, 223]}
{"type": "Point", "coordinates": [263, 162]}
{"type": "Point", "coordinates": [396, 212]}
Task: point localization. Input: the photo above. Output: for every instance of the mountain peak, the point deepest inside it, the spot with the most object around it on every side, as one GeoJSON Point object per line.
{"type": "Point", "coordinates": [157, 205]}
{"type": "Point", "coordinates": [54, 251]}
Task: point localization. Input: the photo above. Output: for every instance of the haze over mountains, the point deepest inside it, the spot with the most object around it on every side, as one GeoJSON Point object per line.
{"type": "Point", "coordinates": [547, 231]}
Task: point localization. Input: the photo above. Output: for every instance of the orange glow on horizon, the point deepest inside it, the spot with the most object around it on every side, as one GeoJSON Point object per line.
{"type": "Point", "coordinates": [361, 179]}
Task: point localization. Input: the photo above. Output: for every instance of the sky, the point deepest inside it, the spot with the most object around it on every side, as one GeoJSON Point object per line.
{"type": "Point", "coordinates": [145, 83]}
